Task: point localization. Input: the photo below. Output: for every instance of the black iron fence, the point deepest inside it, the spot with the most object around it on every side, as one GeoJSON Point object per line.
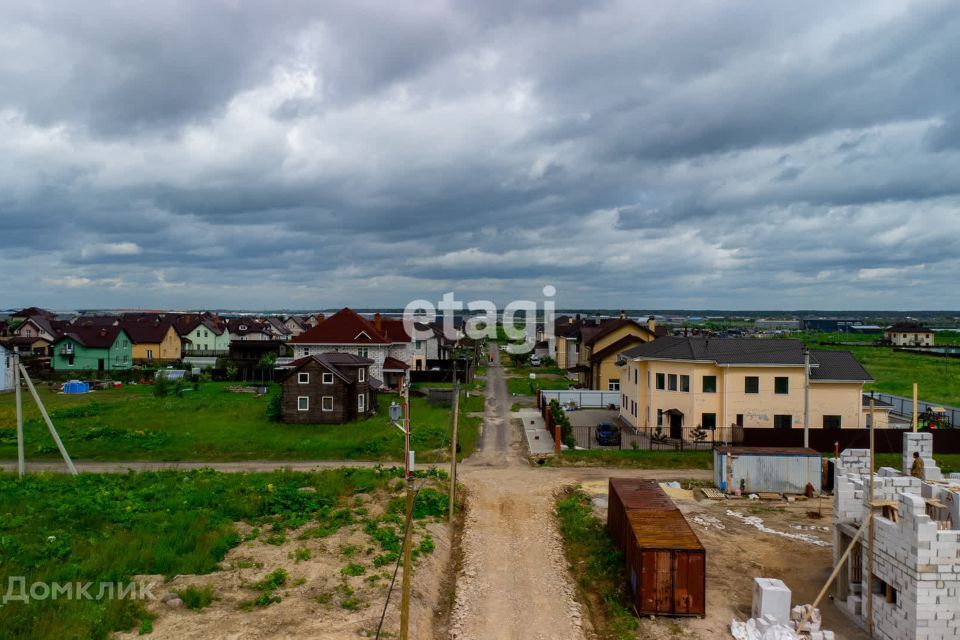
{"type": "Point", "coordinates": [686, 439]}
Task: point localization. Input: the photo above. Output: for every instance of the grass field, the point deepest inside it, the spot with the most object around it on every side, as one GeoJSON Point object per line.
{"type": "Point", "coordinates": [638, 459]}
{"type": "Point", "coordinates": [896, 371]}
{"type": "Point", "coordinates": [109, 528]}
{"type": "Point", "coordinates": [212, 424]}
{"type": "Point", "coordinates": [527, 387]}
{"type": "Point", "coordinates": [597, 567]}
{"type": "Point", "coordinates": [941, 338]}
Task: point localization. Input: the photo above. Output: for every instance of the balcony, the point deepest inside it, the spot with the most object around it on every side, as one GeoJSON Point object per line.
{"type": "Point", "coordinates": [66, 350]}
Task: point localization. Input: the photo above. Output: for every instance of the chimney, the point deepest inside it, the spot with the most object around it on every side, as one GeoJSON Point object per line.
{"type": "Point", "coordinates": [651, 324]}
{"type": "Point", "coordinates": [623, 314]}
{"type": "Point", "coordinates": [103, 332]}
{"type": "Point", "coordinates": [378, 322]}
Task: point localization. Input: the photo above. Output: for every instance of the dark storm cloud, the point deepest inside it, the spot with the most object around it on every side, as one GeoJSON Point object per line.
{"type": "Point", "coordinates": [758, 154]}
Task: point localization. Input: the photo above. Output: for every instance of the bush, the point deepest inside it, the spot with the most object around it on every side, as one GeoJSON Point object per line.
{"type": "Point", "coordinates": [161, 387]}
{"type": "Point", "coordinates": [194, 598]}
{"type": "Point", "coordinates": [274, 409]}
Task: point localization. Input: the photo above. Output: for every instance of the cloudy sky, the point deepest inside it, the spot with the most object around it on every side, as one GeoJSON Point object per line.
{"type": "Point", "coordinates": [737, 155]}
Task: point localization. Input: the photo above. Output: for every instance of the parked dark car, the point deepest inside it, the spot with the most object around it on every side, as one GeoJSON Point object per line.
{"type": "Point", "coordinates": [608, 434]}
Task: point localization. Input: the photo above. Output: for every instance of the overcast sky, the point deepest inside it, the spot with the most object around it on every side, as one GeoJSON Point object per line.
{"type": "Point", "coordinates": [737, 155]}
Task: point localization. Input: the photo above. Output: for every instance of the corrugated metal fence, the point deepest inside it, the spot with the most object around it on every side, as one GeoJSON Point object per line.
{"type": "Point", "coordinates": [585, 399]}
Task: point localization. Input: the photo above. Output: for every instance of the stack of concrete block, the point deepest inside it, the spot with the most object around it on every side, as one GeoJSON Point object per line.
{"type": "Point", "coordinates": [922, 443]}
{"type": "Point", "coordinates": [848, 499]}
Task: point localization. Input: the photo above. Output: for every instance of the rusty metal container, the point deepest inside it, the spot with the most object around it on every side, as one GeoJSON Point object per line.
{"type": "Point", "coordinates": [665, 561]}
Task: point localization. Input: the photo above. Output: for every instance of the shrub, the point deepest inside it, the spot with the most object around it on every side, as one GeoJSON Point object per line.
{"type": "Point", "coordinates": [161, 387]}
{"type": "Point", "coordinates": [274, 409]}
{"type": "Point", "coordinates": [353, 569]}
{"type": "Point", "coordinates": [194, 598]}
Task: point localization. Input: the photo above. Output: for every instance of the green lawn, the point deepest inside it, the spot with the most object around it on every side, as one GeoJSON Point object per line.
{"type": "Point", "coordinates": [639, 459]}
{"type": "Point", "coordinates": [527, 387]}
{"type": "Point", "coordinates": [597, 567]}
{"type": "Point", "coordinates": [941, 338]}
{"type": "Point", "coordinates": [896, 371]}
{"type": "Point", "coordinates": [108, 528]}
{"type": "Point", "coordinates": [212, 424]}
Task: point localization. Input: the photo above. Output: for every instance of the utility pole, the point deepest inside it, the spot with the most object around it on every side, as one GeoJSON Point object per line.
{"type": "Point", "coordinates": [914, 407]}
{"type": "Point", "coordinates": [407, 551]}
{"type": "Point", "coordinates": [869, 588]}
{"type": "Point", "coordinates": [453, 444]}
{"type": "Point", "coordinates": [46, 418]}
{"type": "Point", "coordinates": [21, 465]}
{"type": "Point", "coordinates": [806, 397]}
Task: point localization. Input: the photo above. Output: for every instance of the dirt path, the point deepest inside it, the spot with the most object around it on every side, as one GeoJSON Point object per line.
{"type": "Point", "coordinates": [513, 582]}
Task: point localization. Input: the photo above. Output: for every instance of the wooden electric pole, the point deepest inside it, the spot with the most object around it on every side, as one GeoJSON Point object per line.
{"type": "Point", "coordinates": [868, 591]}
{"type": "Point", "coordinates": [453, 444]}
{"type": "Point", "coordinates": [21, 464]}
{"type": "Point", "coordinates": [407, 551]}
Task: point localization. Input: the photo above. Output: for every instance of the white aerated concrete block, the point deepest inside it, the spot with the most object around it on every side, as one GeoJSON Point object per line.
{"type": "Point", "coordinates": [771, 597]}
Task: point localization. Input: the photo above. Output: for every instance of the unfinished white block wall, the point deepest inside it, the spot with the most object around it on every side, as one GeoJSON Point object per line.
{"type": "Point", "coordinates": [915, 590]}
{"type": "Point", "coordinates": [921, 563]}
{"type": "Point", "coordinates": [922, 443]}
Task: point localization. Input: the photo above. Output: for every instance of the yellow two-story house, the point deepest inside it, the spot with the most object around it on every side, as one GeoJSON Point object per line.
{"type": "Point", "coordinates": [589, 348]}
{"type": "Point", "coordinates": [680, 384]}
{"type": "Point", "coordinates": [153, 341]}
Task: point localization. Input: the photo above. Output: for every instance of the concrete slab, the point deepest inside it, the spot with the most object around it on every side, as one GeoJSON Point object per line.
{"type": "Point", "coordinates": [539, 440]}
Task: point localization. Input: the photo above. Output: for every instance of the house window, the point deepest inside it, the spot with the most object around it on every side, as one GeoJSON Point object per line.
{"type": "Point", "coordinates": [636, 376]}
{"type": "Point", "coordinates": [659, 417]}
{"type": "Point", "coordinates": [685, 384]}
{"type": "Point", "coordinates": [661, 381]}
{"type": "Point", "coordinates": [419, 345]}
{"type": "Point", "coordinates": [361, 402]}
{"type": "Point", "coordinates": [149, 354]}
{"type": "Point", "coordinates": [709, 384]}
{"type": "Point", "coordinates": [648, 379]}
{"type": "Point", "coordinates": [327, 378]}
{"type": "Point", "coordinates": [303, 403]}
{"type": "Point", "coordinates": [739, 419]}
{"type": "Point", "coordinates": [70, 360]}
{"type": "Point", "coordinates": [306, 351]}
{"type": "Point", "coordinates": [326, 403]}
{"type": "Point", "coordinates": [303, 378]}
{"type": "Point", "coordinates": [363, 352]}
{"type": "Point", "coordinates": [709, 421]}
{"type": "Point", "coordinates": [672, 382]}
{"type": "Point", "coordinates": [362, 375]}
{"type": "Point", "coordinates": [782, 421]}
{"type": "Point", "coordinates": [781, 385]}
{"type": "Point", "coordinates": [613, 385]}
{"type": "Point", "coordinates": [751, 384]}
{"type": "Point", "coordinates": [28, 333]}
{"type": "Point", "coordinates": [831, 422]}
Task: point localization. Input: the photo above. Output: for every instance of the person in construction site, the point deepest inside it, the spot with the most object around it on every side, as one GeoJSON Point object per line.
{"type": "Point", "coordinates": [917, 469]}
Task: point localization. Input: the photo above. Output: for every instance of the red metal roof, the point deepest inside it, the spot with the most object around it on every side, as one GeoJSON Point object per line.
{"type": "Point", "coordinates": [349, 327]}
{"type": "Point", "coordinates": [392, 364]}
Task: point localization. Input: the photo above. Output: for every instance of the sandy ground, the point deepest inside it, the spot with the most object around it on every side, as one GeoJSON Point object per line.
{"type": "Point", "coordinates": [311, 600]}
{"type": "Point", "coordinates": [737, 553]}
